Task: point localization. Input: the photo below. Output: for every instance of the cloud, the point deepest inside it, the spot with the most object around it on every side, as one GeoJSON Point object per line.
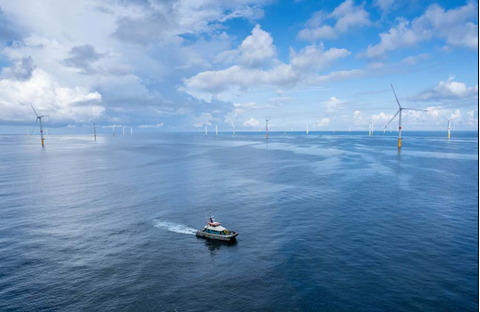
{"type": "Point", "coordinates": [158, 125]}
{"type": "Point", "coordinates": [149, 22]}
{"type": "Point", "coordinates": [204, 119]}
{"type": "Point", "coordinates": [323, 122]}
{"type": "Point", "coordinates": [302, 70]}
{"type": "Point", "coordinates": [384, 5]}
{"type": "Point", "coordinates": [346, 16]}
{"type": "Point", "coordinates": [82, 57]}
{"type": "Point", "coordinates": [21, 70]}
{"type": "Point", "coordinates": [63, 104]}
{"type": "Point", "coordinates": [257, 48]}
{"type": "Point", "coordinates": [252, 122]}
{"type": "Point", "coordinates": [454, 26]}
{"type": "Point", "coordinates": [332, 104]}
{"type": "Point", "coordinates": [412, 60]}
{"type": "Point", "coordinates": [445, 90]}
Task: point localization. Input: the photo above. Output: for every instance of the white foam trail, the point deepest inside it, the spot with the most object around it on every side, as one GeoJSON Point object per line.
{"type": "Point", "coordinates": [174, 227]}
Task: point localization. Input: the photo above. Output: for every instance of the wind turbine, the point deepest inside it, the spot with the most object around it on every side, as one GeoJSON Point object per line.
{"type": "Point", "coordinates": [206, 131]}
{"type": "Point", "coordinates": [399, 113]}
{"type": "Point", "coordinates": [113, 128]}
{"type": "Point", "coordinates": [307, 129]}
{"type": "Point", "coordinates": [216, 130]}
{"type": "Point", "coordinates": [131, 130]}
{"type": "Point", "coordinates": [94, 131]}
{"type": "Point", "coordinates": [369, 129]}
{"type": "Point", "coordinates": [41, 126]}
{"type": "Point", "coordinates": [449, 125]}
{"type": "Point", "coordinates": [266, 126]}
{"type": "Point", "coordinates": [123, 129]}
{"type": "Point", "coordinates": [233, 127]}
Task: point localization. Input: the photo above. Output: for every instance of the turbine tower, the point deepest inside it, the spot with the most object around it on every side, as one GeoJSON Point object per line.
{"type": "Point", "coordinates": [399, 113]}
{"type": "Point", "coordinates": [216, 130]}
{"type": "Point", "coordinates": [233, 127]}
{"type": "Point", "coordinates": [449, 125]}
{"type": "Point", "coordinates": [113, 128]}
{"type": "Point", "coordinates": [307, 129]}
{"type": "Point", "coordinates": [266, 126]}
{"type": "Point", "coordinates": [369, 129]}
{"type": "Point", "coordinates": [39, 118]}
{"type": "Point", "coordinates": [94, 131]}
{"type": "Point", "coordinates": [123, 128]}
{"type": "Point", "coordinates": [131, 130]}
{"type": "Point", "coordinates": [206, 131]}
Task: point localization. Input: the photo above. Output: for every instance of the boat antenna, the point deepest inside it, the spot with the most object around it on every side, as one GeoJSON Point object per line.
{"type": "Point", "coordinates": [205, 214]}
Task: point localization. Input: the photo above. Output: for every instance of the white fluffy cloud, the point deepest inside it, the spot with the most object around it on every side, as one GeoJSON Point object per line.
{"type": "Point", "coordinates": [252, 122]}
{"type": "Point", "coordinates": [449, 89]}
{"type": "Point", "coordinates": [302, 70]}
{"type": "Point", "coordinates": [332, 104]}
{"type": "Point", "coordinates": [49, 98]}
{"type": "Point", "coordinates": [347, 15]}
{"type": "Point", "coordinates": [454, 26]}
{"type": "Point", "coordinates": [323, 122]}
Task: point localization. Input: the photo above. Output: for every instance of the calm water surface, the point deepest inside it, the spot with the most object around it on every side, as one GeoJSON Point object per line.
{"type": "Point", "coordinates": [327, 222]}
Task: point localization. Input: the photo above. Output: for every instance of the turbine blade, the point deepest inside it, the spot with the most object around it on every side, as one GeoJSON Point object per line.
{"type": "Point", "coordinates": [34, 125]}
{"type": "Point", "coordinates": [396, 98]}
{"type": "Point", "coordinates": [391, 119]}
{"type": "Point", "coordinates": [34, 110]}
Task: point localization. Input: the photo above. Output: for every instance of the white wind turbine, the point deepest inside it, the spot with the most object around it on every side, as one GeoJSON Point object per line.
{"type": "Point", "coordinates": [131, 130]}
{"type": "Point", "coordinates": [399, 113]}
{"type": "Point", "coordinates": [113, 129]}
{"type": "Point", "coordinates": [206, 131]}
{"type": "Point", "coordinates": [39, 118]}
{"type": "Point", "coordinates": [216, 130]}
{"type": "Point", "coordinates": [449, 125]}
{"type": "Point", "coordinates": [307, 129]}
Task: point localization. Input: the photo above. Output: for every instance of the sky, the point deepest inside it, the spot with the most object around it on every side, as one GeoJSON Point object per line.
{"type": "Point", "coordinates": [181, 65]}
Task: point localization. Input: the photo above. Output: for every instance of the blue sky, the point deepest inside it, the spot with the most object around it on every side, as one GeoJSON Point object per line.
{"type": "Point", "coordinates": [183, 65]}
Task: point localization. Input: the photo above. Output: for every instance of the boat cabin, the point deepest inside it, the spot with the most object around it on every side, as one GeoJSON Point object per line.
{"type": "Point", "coordinates": [219, 230]}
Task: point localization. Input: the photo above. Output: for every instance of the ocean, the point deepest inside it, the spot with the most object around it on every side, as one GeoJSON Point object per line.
{"type": "Point", "coordinates": [327, 221]}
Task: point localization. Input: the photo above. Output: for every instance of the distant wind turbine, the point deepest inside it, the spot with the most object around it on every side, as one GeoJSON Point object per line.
{"type": "Point", "coordinates": [307, 129]}
{"type": "Point", "coordinates": [123, 128]}
{"type": "Point", "coordinates": [266, 126]}
{"type": "Point", "coordinates": [216, 130]}
{"type": "Point", "coordinates": [39, 118]}
{"type": "Point", "coordinates": [94, 131]}
{"type": "Point", "coordinates": [113, 128]}
{"type": "Point", "coordinates": [206, 131]}
{"type": "Point", "coordinates": [399, 113]}
{"type": "Point", "coordinates": [449, 125]}
{"type": "Point", "coordinates": [131, 130]}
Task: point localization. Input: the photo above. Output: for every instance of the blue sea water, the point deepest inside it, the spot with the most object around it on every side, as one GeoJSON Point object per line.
{"type": "Point", "coordinates": [327, 222]}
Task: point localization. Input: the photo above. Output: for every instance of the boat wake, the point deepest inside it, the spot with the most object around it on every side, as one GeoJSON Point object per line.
{"type": "Point", "coordinates": [174, 227]}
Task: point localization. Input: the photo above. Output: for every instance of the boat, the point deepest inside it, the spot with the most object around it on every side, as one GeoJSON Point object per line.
{"type": "Point", "coordinates": [214, 230]}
